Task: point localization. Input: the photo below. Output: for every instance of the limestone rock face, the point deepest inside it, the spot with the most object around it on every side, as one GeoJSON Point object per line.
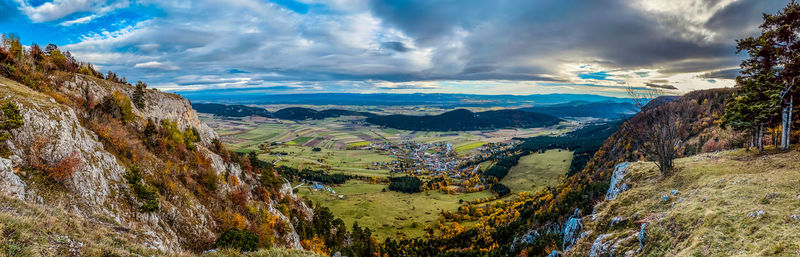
{"type": "Point", "coordinates": [10, 184]}
{"type": "Point", "coordinates": [158, 105]}
{"type": "Point", "coordinates": [618, 184]}
{"type": "Point", "coordinates": [53, 132]}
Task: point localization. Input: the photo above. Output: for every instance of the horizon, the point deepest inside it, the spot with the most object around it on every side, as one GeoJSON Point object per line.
{"type": "Point", "coordinates": [357, 46]}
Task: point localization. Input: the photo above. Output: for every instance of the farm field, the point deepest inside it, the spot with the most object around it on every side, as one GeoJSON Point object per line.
{"type": "Point", "coordinates": [390, 214]}
{"type": "Point", "coordinates": [342, 144]}
{"type": "Point", "coordinates": [538, 170]}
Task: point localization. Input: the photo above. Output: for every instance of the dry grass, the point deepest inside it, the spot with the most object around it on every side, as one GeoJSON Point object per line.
{"type": "Point", "coordinates": [709, 214]}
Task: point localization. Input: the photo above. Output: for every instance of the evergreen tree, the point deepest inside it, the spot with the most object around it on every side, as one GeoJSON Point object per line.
{"type": "Point", "coordinates": [138, 95]}
{"type": "Point", "coordinates": [753, 106]}
{"type": "Point", "coordinates": [776, 51]}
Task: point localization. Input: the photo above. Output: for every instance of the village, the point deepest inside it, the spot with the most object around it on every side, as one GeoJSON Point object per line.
{"type": "Point", "coordinates": [435, 159]}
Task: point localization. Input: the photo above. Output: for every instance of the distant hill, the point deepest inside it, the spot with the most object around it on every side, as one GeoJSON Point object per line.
{"type": "Point", "coordinates": [462, 119]}
{"type": "Point", "coordinates": [291, 113]}
{"type": "Point", "coordinates": [243, 96]}
{"type": "Point", "coordinates": [658, 101]}
{"type": "Point", "coordinates": [299, 113]}
{"type": "Point", "coordinates": [230, 110]}
{"type": "Point", "coordinates": [602, 110]}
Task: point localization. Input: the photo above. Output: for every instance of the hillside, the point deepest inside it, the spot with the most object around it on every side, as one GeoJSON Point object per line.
{"type": "Point", "coordinates": [462, 119]}
{"type": "Point", "coordinates": [732, 203]}
{"type": "Point", "coordinates": [84, 151]}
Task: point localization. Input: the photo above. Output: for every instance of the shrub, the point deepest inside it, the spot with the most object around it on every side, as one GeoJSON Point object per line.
{"type": "Point", "coordinates": [10, 118]}
{"type": "Point", "coordinates": [240, 239]}
{"type": "Point", "coordinates": [66, 167]}
{"type": "Point", "coordinates": [119, 106]}
{"type": "Point", "coordinates": [145, 193]}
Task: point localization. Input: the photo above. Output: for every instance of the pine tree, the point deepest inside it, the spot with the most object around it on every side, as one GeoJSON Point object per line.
{"type": "Point", "coordinates": [753, 106]}
{"type": "Point", "coordinates": [776, 52]}
{"type": "Point", "coordinates": [138, 95]}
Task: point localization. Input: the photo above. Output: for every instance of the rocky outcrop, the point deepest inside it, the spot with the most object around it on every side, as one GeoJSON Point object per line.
{"type": "Point", "coordinates": [53, 132]}
{"type": "Point", "coordinates": [158, 105]}
{"type": "Point", "coordinates": [618, 184]}
{"type": "Point", "coordinates": [10, 184]}
{"type": "Point", "coordinates": [572, 229]}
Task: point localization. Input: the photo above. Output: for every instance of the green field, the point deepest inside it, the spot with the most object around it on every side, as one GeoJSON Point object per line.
{"type": "Point", "coordinates": [468, 146]}
{"type": "Point", "coordinates": [538, 170]}
{"type": "Point", "coordinates": [354, 162]}
{"type": "Point", "coordinates": [388, 214]}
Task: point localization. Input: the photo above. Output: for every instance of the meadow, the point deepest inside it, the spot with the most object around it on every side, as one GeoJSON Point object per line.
{"type": "Point", "coordinates": [342, 145]}
{"type": "Point", "coordinates": [388, 214]}
{"type": "Point", "coordinates": [538, 170]}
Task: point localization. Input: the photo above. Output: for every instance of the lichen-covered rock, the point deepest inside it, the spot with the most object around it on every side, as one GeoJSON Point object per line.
{"type": "Point", "coordinates": [617, 184]}
{"type": "Point", "coordinates": [572, 230]}
{"type": "Point", "coordinates": [158, 105]}
{"type": "Point", "coordinates": [10, 184]}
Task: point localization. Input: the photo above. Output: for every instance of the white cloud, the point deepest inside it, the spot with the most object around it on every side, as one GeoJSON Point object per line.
{"type": "Point", "coordinates": [58, 9]}
{"type": "Point", "coordinates": [81, 20]}
{"type": "Point", "coordinates": [156, 65]}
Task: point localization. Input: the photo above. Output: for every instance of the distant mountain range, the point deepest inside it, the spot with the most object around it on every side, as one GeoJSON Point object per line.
{"type": "Point", "coordinates": [447, 101]}
{"type": "Point", "coordinates": [458, 119]}
{"type": "Point", "coordinates": [462, 119]}
{"type": "Point", "coordinates": [603, 110]}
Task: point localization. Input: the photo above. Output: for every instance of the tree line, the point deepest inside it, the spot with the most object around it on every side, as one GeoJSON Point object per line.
{"type": "Point", "coordinates": [768, 82]}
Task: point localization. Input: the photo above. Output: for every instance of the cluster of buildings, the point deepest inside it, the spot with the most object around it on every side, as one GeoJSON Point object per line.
{"type": "Point", "coordinates": [433, 158]}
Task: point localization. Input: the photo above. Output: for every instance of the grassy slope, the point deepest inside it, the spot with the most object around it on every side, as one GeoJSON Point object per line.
{"type": "Point", "coordinates": [34, 230]}
{"type": "Point", "coordinates": [709, 215]}
{"type": "Point", "coordinates": [538, 170]}
{"type": "Point", "coordinates": [388, 213]}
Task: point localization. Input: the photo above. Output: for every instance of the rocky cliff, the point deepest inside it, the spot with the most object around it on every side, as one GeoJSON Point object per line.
{"type": "Point", "coordinates": [61, 133]}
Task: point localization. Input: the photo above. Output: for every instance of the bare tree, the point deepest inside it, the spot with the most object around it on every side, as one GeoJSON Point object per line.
{"type": "Point", "coordinates": [658, 130]}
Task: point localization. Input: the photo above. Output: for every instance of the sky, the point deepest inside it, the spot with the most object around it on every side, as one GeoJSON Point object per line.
{"type": "Point", "coordinates": [425, 46]}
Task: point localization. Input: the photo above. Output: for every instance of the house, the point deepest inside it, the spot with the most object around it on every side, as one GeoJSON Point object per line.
{"type": "Point", "coordinates": [318, 186]}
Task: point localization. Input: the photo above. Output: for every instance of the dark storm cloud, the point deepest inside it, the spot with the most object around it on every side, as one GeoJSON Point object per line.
{"type": "Point", "coordinates": [661, 86]}
{"type": "Point", "coordinates": [722, 74]}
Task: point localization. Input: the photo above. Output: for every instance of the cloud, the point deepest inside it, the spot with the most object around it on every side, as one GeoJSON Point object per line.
{"type": "Point", "coordinates": [80, 20]}
{"type": "Point", "coordinates": [404, 45]}
{"type": "Point", "coordinates": [156, 65]}
{"type": "Point", "coordinates": [58, 9]}
{"type": "Point", "coordinates": [661, 86]}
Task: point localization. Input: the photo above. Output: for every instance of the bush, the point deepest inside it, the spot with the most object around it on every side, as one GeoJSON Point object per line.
{"type": "Point", "coordinates": [143, 192]}
{"type": "Point", "coordinates": [119, 106]}
{"type": "Point", "coordinates": [66, 167]}
{"type": "Point", "coordinates": [10, 118]}
{"type": "Point", "coordinates": [240, 239]}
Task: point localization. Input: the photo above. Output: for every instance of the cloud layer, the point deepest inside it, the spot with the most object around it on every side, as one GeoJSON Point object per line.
{"type": "Point", "coordinates": [466, 46]}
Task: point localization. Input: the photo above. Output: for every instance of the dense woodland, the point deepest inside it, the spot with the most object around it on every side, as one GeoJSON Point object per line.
{"type": "Point", "coordinates": [461, 119]}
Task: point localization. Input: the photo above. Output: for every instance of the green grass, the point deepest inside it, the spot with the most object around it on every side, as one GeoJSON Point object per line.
{"type": "Point", "coordinates": [539, 170]}
{"type": "Point", "coordinates": [709, 214]}
{"type": "Point", "coordinates": [469, 146]}
{"type": "Point", "coordinates": [301, 140]}
{"type": "Point", "coordinates": [37, 230]}
{"type": "Point", "coordinates": [388, 214]}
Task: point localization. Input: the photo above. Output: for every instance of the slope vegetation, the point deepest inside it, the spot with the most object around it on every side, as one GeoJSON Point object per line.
{"type": "Point", "coordinates": [732, 203]}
